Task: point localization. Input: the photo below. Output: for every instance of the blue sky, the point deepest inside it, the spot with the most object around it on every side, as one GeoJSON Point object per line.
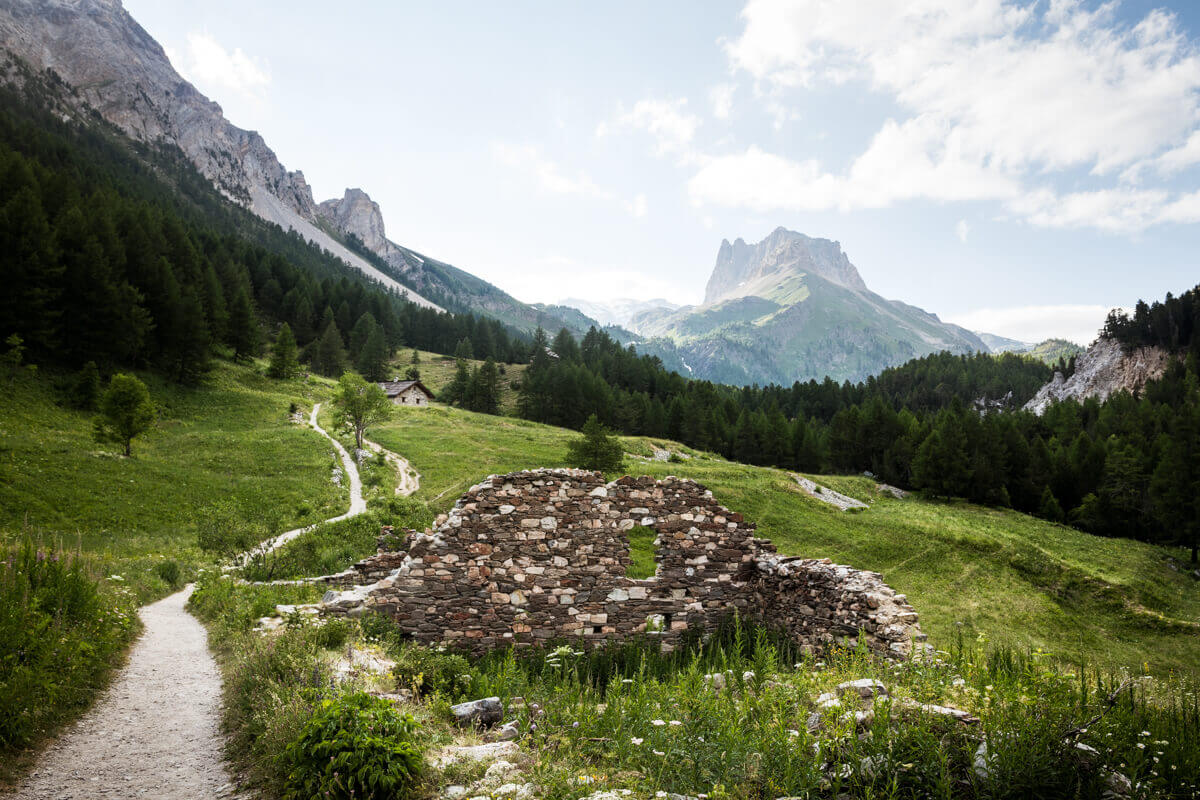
{"type": "Point", "coordinates": [1018, 167]}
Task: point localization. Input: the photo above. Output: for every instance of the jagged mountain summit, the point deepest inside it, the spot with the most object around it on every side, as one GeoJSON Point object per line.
{"type": "Point", "coordinates": [116, 68]}
{"type": "Point", "coordinates": [793, 307]}
{"type": "Point", "coordinates": [745, 270]}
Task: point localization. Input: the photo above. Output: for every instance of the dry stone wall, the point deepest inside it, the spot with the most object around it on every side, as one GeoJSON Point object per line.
{"type": "Point", "coordinates": [530, 557]}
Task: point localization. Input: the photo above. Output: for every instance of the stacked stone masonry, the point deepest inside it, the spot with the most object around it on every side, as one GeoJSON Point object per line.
{"type": "Point", "coordinates": [531, 557]}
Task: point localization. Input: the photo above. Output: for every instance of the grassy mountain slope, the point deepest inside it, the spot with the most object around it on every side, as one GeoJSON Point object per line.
{"type": "Point", "coordinates": [229, 440]}
{"type": "Point", "coordinates": [1052, 350]}
{"type": "Point", "coordinates": [1006, 576]}
{"type": "Point", "coordinates": [804, 327]}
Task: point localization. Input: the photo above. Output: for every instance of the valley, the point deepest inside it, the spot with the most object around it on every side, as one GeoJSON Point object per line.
{"type": "Point", "coordinates": [289, 509]}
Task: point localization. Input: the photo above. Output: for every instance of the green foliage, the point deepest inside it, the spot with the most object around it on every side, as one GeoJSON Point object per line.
{"type": "Point", "coordinates": [354, 746]}
{"type": "Point", "coordinates": [360, 403]}
{"type": "Point", "coordinates": [598, 449]}
{"type": "Point", "coordinates": [170, 572]}
{"type": "Point", "coordinates": [125, 412]}
{"type": "Point", "coordinates": [427, 671]}
{"type": "Point", "coordinates": [633, 719]}
{"type": "Point", "coordinates": [641, 553]}
{"type": "Point", "coordinates": [373, 358]}
{"type": "Point", "coordinates": [225, 529]}
{"type": "Point", "coordinates": [283, 355]}
{"type": "Point", "coordinates": [84, 391]}
{"type": "Point", "coordinates": [62, 636]}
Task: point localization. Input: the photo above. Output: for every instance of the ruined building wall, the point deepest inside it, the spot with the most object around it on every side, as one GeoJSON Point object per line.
{"type": "Point", "coordinates": [535, 556]}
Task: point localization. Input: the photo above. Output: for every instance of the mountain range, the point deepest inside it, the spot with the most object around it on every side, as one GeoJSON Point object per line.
{"type": "Point", "coordinates": [791, 307]}
{"type": "Point", "coordinates": [117, 69]}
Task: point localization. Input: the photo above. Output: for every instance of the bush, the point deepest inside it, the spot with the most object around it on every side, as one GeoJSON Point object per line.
{"type": "Point", "coordinates": [353, 746]}
{"type": "Point", "coordinates": [61, 634]}
{"type": "Point", "coordinates": [428, 671]}
{"type": "Point", "coordinates": [170, 572]}
{"type": "Point", "coordinates": [333, 633]}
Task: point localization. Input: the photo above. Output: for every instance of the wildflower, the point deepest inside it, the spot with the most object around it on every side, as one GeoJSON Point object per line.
{"type": "Point", "coordinates": [658, 752]}
{"type": "Point", "coordinates": [626, 681]}
{"type": "Point", "coordinates": [636, 739]}
{"type": "Point", "coordinates": [658, 723]}
{"type": "Point", "coordinates": [1145, 733]}
{"type": "Point", "coordinates": [1141, 745]}
{"type": "Point", "coordinates": [574, 724]}
{"type": "Point", "coordinates": [675, 723]}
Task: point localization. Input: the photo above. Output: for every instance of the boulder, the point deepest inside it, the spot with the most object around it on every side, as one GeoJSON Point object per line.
{"type": "Point", "coordinates": [866, 688]}
{"type": "Point", "coordinates": [482, 713]}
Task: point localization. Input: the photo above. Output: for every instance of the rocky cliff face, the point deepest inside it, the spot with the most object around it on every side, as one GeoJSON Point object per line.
{"type": "Point", "coordinates": [358, 214]}
{"type": "Point", "coordinates": [118, 69]}
{"type": "Point", "coordinates": [747, 269]}
{"type": "Point", "coordinates": [1104, 369]}
{"type": "Point", "coordinates": [122, 72]}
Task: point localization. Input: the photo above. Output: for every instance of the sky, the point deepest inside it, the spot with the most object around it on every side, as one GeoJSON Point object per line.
{"type": "Point", "coordinates": [1015, 167]}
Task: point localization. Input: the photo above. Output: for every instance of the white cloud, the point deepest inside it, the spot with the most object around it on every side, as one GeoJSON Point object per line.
{"type": "Point", "coordinates": [993, 94]}
{"type": "Point", "coordinates": [962, 230]}
{"type": "Point", "coordinates": [721, 97]}
{"type": "Point", "coordinates": [1077, 323]}
{"type": "Point", "coordinates": [551, 178]}
{"type": "Point", "coordinates": [669, 122]}
{"type": "Point", "coordinates": [212, 68]}
{"type": "Point", "coordinates": [637, 207]}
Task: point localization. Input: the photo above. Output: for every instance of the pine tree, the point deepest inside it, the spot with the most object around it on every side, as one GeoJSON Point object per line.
{"type": "Point", "coordinates": [485, 390]}
{"type": "Point", "coordinates": [373, 359]}
{"type": "Point", "coordinates": [598, 449]}
{"type": "Point", "coordinates": [283, 356]}
{"type": "Point", "coordinates": [463, 350]}
{"type": "Point", "coordinates": [330, 358]}
{"type": "Point", "coordinates": [458, 391]}
{"type": "Point", "coordinates": [362, 331]}
{"type": "Point", "coordinates": [85, 389]}
{"type": "Point", "coordinates": [1049, 507]}
{"type": "Point", "coordinates": [244, 334]}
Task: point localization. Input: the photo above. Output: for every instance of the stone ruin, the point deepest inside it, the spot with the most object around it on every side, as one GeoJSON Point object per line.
{"type": "Point", "coordinates": [533, 557]}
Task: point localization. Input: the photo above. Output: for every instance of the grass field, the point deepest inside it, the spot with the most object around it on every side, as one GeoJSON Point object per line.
{"type": "Point", "coordinates": [1006, 577]}
{"type": "Point", "coordinates": [438, 370]}
{"type": "Point", "coordinates": [227, 441]}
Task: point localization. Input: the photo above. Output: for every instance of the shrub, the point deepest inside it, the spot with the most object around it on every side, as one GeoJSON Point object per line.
{"type": "Point", "coordinates": [170, 572]}
{"type": "Point", "coordinates": [355, 746]}
{"type": "Point", "coordinates": [333, 634]}
{"type": "Point", "coordinates": [429, 671]}
{"type": "Point", "coordinates": [61, 634]}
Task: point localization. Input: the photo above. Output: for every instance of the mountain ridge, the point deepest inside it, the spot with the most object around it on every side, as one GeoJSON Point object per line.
{"type": "Point", "coordinates": [793, 307]}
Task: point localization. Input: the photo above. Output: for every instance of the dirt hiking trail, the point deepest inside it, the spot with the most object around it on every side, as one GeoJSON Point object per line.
{"type": "Point", "coordinates": [155, 732]}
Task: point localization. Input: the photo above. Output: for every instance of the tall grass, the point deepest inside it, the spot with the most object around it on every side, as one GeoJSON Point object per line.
{"type": "Point", "coordinates": [62, 634]}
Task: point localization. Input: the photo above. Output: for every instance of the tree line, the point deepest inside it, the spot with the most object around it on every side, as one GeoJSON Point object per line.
{"type": "Point", "coordinates": [1126, 467]}
{"type": "Point", "coordinates": [120, 254]}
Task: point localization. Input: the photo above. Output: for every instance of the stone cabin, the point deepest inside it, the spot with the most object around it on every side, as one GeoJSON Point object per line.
{"type": "Point", "coordinates": [530, 557]}
{"type": "Point", "coordinates": [407, 393]}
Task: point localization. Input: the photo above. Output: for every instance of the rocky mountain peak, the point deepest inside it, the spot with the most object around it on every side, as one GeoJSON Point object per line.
{"type": "Point", "coordinates": [355, 212]}
{"type": "Point", "coordinates": [743, 269]}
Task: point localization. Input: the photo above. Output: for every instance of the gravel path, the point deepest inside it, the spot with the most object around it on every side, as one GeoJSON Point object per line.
{"type": "Point", "coordinates": [357, 504]}
{"type": "Point", "coordinates": [154, 733]}
{"type": "Point", "coordinates": [409, 478]}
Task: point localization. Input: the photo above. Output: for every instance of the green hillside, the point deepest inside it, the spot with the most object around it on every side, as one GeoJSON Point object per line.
{"type": "Point", "coordinates": [805, 327]}
{"type": "Point", "coordinates": [1051, 350]}
{"type": "Point", "coordinates": [1011, 578]}
{"type": "Point", "coordinates": [227, 442]}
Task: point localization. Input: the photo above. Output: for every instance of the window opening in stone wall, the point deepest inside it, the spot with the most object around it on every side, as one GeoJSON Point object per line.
{"type": "Point", "coordinates": [641, 553]}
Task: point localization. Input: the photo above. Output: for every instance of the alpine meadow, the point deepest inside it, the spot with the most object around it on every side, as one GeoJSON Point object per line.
{"type": "Point", "coordinates": [291, 510]}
